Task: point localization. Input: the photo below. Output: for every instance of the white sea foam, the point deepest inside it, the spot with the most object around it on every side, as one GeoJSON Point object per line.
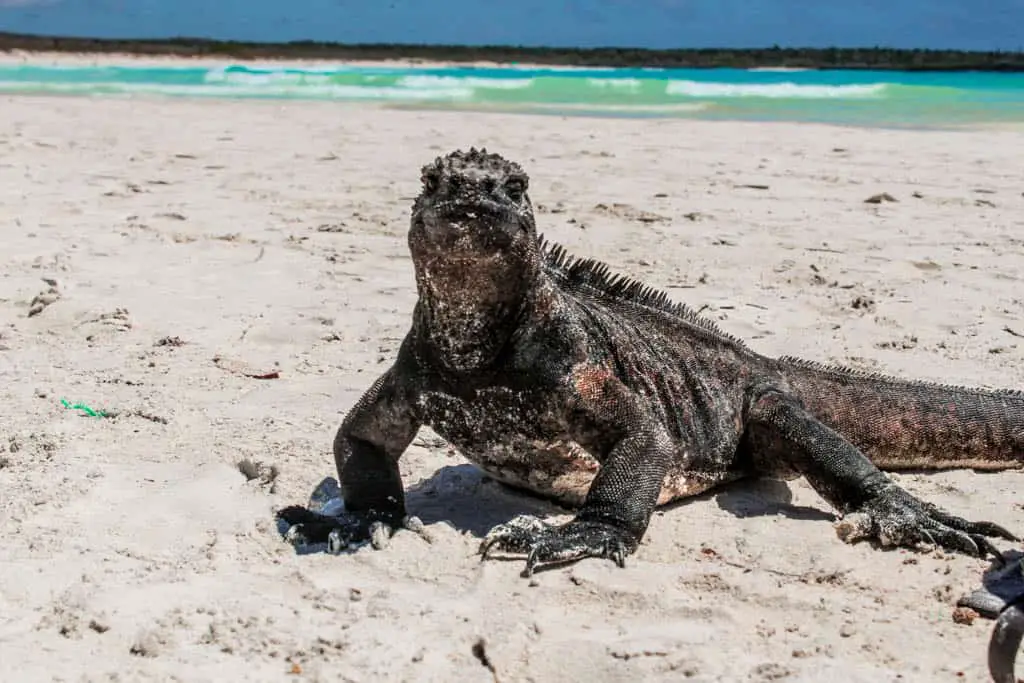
{"type": "Point", "coordinates": [341, 92]}
{"type": "Point", "coordinates": [267, 77]}
{"type": "Point", "coordinates": [427, 82]}
{"type": "Point", "coordinates": [569, 68]}
{"type": "Point", "coordinates": [774, 90]}
{"type": "Point", "coordinates": [616, 83]}
{"type": "Point", "coordinates": [678, 108]}
{"type": "Point", "coordinates": [228, 72]}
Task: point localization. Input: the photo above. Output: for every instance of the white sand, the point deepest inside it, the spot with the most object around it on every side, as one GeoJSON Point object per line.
{"type": "Point", "coordinates": [12, 57]}
{"type": "Point", "coordinates": [135, 550]}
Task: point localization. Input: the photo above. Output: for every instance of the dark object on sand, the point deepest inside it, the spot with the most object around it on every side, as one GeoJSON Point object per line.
{"type": "Point", "coordinates": [1005, 642]}
{"type": "Point", "coordinates": [1001, 597]}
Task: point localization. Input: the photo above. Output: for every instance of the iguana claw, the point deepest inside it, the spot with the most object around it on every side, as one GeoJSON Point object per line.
{"type": "Point", "coordinates": [543, 542]}
{"type": "Point", "coordinates": [343, 531]}
{"type": "Point", "coordinates": [896, 518]}
{"type": "Point", "coordinates": [327, 521]}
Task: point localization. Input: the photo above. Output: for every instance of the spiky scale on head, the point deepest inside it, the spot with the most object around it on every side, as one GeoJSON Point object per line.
{"type": "Point", "coordinates": [475, 165]}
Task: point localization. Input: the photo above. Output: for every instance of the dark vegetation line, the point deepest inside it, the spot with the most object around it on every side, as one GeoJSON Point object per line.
{"type": "Point", "coordinates": [813, 58]}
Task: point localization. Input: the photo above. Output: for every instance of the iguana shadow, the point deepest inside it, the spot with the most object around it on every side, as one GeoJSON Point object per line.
{"type": "Point", "coordinates": [757, 497]}
{"type": "Point", "coordinates": [461, 496]}
{"type": "Point", "coordinates": [466, 498]}
{"type": "Point", "coordinates": [470, 501]}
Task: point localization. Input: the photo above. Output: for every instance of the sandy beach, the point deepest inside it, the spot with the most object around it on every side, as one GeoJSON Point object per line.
{"type": "Point", "coordinates": [229, 277]}
{"type": "Point", "coordinates": [79, 59]}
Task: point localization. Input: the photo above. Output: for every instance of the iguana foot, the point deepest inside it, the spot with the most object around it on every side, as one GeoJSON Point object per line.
{"type": "Point", "coordinates": [543, 542]}
{"type": "Point", "coordinates": [345, 530]}
{"type": "Point", "coordinates": [896, 518]}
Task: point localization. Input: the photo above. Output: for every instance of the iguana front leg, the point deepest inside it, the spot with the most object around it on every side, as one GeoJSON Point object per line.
{"type": "Point", "coordinates": [634, 450]}
{"type": "Point", "coordinates": [367, 447]}
{"type": "Point", "coordinates": [874, 507]}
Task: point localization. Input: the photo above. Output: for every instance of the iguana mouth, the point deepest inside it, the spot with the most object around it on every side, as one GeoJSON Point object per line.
{"type": "Point", "coordinates": [470, 228]}
{"type": "Point", "coordinates": [483, 211]}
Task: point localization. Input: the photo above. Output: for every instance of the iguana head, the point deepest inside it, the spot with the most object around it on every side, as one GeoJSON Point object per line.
{"type": "Point", "coordinates": [474, 247]}
{"type": "Point", "coordinates": [472, 205]}
{"type": "Point", "coordinates": [472, 224]}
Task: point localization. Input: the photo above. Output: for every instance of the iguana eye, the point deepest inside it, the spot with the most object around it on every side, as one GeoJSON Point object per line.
{"type": "Point", "coordinates": [430, 182]}
{"type": "Point", "coordinates": [515, 188]}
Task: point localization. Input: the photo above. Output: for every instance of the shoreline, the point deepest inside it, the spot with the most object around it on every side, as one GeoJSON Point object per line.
{"type": "Point", "coordinates": [568, 112]}
{"type": "Point", "coordinates": [773, 57]}
{"type": "Point", "coordinates": [707, 108]}
{"type": "Point", "coordinates": [60, 58]}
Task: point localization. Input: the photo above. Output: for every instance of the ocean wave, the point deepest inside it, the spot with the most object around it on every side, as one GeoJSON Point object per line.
{"type": "Point", "coordinates": [677, 108]}
{"type": "Point", "coordinates": [912, 99]}
{"type": "Point", "coordinates": [618, 83]}
{"type": "Point", "coordinates": [330, 91]}
{"type": "Point", "coordinates": [271, 77]}
{"type": "Point", "coordinates": [360, 84]}
{"type": "Point", "coordinates": [429, 82]}
{"type": "Point", "coordinates": [786, 90]}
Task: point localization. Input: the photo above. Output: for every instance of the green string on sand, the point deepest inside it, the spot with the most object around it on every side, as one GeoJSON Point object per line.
{"type": "Point", "coordinates": [86, 410]}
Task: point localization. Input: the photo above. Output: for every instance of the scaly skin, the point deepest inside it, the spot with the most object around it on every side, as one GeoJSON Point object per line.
{"type": "Point", "coordinates": [558, 377]}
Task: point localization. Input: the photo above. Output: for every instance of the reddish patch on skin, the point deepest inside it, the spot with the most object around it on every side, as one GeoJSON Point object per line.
{"type": "Point", "coordinates": [590, 381]}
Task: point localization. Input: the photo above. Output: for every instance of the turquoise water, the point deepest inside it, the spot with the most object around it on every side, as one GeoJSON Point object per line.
{"type": "Point", "coordinates": [880, 98]}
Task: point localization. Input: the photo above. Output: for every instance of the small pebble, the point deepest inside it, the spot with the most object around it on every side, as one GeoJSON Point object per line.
{"type": "Point", "coordinates": [964, 616]}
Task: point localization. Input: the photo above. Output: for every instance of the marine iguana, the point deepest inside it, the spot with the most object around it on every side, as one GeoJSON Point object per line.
{"type": "Point", "coordinates": [555, 375]}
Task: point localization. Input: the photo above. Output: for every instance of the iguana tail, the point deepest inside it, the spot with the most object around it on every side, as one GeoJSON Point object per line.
{"type": "Point", "coordinates": [905, 424]}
